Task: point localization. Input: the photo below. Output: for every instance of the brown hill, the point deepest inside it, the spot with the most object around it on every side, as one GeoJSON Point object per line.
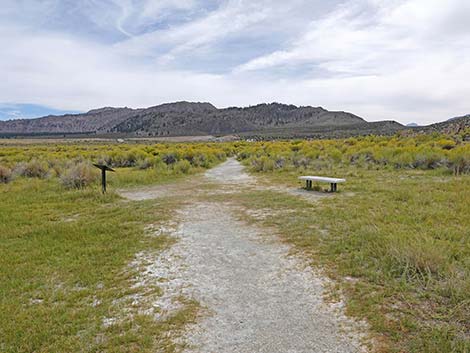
{"type": "Point", "coordinates": [451, 126]}
{"type": "Point", "coordinates": [185, 119]}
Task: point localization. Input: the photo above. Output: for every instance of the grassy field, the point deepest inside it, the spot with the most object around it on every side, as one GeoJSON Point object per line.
{"type": "Point", "coordinates": [396, 238]}
{"type": "Point", "coordinates": [64, 264]}
{"type": "Point", "coordinates": [65, 252]}
{"type": "Point", "coordinates": [398, 246]}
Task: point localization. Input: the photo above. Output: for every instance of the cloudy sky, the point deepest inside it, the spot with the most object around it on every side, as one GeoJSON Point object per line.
{"type": "Point", "coordinates": [407, 60]}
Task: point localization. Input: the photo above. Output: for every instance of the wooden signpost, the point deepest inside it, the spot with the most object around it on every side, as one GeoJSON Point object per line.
{"type": "Point", "coordinates": [104, 169]}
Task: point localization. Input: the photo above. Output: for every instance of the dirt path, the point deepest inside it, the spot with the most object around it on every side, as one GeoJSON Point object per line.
{"type": "Point", "coordinates": [256, 297]}
{"type": "Point", "coordinates": [231, 172]}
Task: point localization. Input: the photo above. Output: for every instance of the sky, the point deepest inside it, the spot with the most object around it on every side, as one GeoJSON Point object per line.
{"type": "Point", "coordinates": [403, 60]}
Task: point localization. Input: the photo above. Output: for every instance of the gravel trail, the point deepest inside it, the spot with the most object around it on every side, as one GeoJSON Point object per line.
{"type": "Point", "coordinates": [256, 296]}
{"type": "Point", "coordinates": [259, 299]}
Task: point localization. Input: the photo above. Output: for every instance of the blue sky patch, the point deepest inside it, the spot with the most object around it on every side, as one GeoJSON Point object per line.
{"type": "Point", "coordinates": [403, 60]}
{"type": "Point", "coordinates": [27, 111]}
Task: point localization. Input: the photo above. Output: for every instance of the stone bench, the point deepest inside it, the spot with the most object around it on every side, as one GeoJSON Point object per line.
{"type": "Point", "coordinates": [332, 181]}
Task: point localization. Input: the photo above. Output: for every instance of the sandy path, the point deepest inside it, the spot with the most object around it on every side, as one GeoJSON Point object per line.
{"type": "Point", "coordinates": [257, 297]}
{"type": "Point", "coordinates": [231, 172]}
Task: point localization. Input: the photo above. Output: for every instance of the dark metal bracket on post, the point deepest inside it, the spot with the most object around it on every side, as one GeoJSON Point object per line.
{"type": "Point", "coordinates": [104, 169]}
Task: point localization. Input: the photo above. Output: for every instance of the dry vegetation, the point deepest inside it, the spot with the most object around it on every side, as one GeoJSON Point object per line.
{"type": "Point", "coordinates": [71, 163]}
{"type": "Point", "coordinates": [424, 152]}
{"type": "Point", "coordinates": [396, 237]}
{"type": "Point", "coordinates": [66, 248]}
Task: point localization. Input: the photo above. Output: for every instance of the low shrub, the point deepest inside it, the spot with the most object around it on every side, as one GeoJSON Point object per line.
{"type": "Point", "coordinates": [5, 174]}
{"type": "Point", "coordinates": [32, 169]}
{"type": "Point", "coordinates": [56, 167]}
{"type": "Point", "coordinates": [263, 164]}
{"type": "Point", "coordinates": [106, 160]}
{"type": "Point", "coordinates": [169, 158]}
{"type": "Point", "coordinates": [79, 176]}
{"type": "Point", "coordinates": [143, 164]}
{"type": "Point", "coordinates": [159, 166]}
{"type": "Point", "coordinates": [300, 161]}
{"type": "Point", "coordinates": [400, 152]}
{"type": "Point", "coordinates": [459, 160]}
{"type": "Point", "coordinates": [183, 167]}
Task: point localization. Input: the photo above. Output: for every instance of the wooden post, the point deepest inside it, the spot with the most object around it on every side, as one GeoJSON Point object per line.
{"type": "Point", "coordinates": [103, 180]}
{"type": "Point", "coordinates": [103, 169]}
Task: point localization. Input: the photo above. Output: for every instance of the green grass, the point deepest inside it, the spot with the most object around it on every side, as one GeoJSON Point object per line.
{"type": "Point", "coordinates": [64, 257]}
{"type": "Point", "coordinates": [397, 241]}
{"type": "Point", "coordinates": [66, 253]}
{"type": "Point", "coordinates": [130, 177]}
{"type": "Point", "coordinates": [399, 245]}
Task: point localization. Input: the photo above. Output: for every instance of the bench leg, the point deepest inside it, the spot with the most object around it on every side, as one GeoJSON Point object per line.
{"type": "Point", "coordinates": [334, 187]}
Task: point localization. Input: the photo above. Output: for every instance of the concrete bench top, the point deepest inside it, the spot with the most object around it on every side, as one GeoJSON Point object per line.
{"type": "Point", "coordinates": [323, 179]}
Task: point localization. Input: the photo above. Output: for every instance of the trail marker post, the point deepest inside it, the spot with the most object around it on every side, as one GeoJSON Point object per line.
{"type": "Point", "coordinates": [104, 169]}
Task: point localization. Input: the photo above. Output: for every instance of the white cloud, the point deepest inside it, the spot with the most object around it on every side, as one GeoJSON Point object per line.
{"type": "Point", "coordinates": [386, 38]}
{"type": "Point", "coordinates": [395, 59]}
{"type": "Point", "coordinates": [400, 52]}
{"type": "Point", "coordinates": [233, 17]}
{"type": "Point", "coordinates": [153, 9]}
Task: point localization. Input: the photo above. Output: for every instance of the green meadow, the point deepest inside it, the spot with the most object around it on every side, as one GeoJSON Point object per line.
{"type": "Point", "coordinates": [395, 239]}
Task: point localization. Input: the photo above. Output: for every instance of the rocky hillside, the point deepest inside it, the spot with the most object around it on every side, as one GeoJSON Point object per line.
{"type": "Point", "coordinates": [184, 119]}
{"type": "Point", "coordinates": [95, 120]}
{"type": "Point", "coordinates": [451, 126]}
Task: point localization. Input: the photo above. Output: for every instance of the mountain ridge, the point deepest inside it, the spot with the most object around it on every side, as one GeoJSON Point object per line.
{"type": "Point", "coordinates": [450, 126]}
{"type": "Point", "coordinates": [200, 118]}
